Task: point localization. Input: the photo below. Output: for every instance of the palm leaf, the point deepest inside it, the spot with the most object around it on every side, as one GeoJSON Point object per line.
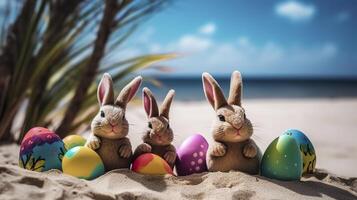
{"type": "Point", "coordinates": [52, 55]}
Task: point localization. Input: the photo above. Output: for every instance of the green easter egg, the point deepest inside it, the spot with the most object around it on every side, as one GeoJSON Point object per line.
{"type": "Point", "coordinates": [307, 150]}
{"type": "Point", "coordinates": [282, 160]}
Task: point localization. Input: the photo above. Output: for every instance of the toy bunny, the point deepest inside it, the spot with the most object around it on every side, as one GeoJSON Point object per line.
{"type": "Point", "coordinates": [232, 148]}
{"type": "Point", "coordinates": [110, 127]}
{"type": "Point", "coordinates": [158, 136]}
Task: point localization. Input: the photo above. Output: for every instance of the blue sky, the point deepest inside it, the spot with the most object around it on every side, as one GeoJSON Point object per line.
{"type": "Point", "coordinates": [259, 38]}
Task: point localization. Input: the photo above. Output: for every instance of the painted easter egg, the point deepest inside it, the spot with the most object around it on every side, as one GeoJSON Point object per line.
{"type": "Point", "coordinates": [41, 150]}
{"type": "Point", "coordinates": [191, 156]}
{"type": "Point", "coordinates": [82, 162]}
{"type": "Point", "coordinates": [282, 160]}
{"type": "Point", "coordinates": [151, 164]}
{"type": "Point", "coordinates": [73, 141]}
{"type": "Point", "coordinates": [307, 150]}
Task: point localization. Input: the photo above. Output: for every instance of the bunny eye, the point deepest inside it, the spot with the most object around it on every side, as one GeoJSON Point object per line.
{"type": "Point", "coordinates": [102, 113]}
{"type": "Point", "coordinates": [168, 125]}
{"type": "Point", "coordinates": [124, 116]}
{"type": "Point", "coordinates": [150, 125]}
{"type": "Point", "coordinates": [245, 117]}
{"type": "Point", "coordinates": [221, 118]}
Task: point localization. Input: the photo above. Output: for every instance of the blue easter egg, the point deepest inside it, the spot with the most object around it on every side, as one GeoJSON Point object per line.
{"type": "Point", "coordinates": [306, 148]}
{"type": "Point", "coordinates": [41, 150]}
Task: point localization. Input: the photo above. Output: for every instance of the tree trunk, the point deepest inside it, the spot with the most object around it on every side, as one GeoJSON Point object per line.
{"type": "Point", "coordinates": [105, 29]}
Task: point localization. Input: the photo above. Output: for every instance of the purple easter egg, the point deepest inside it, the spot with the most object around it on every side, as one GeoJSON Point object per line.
{"type": "Point", "coordinates": [191, 156]}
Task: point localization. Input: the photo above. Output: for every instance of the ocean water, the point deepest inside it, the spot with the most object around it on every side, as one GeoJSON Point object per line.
{"type": "Point", "coordinates": [190, 88]}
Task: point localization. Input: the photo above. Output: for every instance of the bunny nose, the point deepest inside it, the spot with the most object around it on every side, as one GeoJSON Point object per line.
{"type": "Point", "coordinates": [113, 124]}
{"type": "Point", "coordinates": [238, 124]}
{"type": "Point", "coordinates": [157, 134]}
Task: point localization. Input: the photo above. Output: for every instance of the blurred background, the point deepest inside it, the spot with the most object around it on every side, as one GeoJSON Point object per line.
{"type": "Point", "coordinates": [283, 48]}
{"type": "Point", "coordinates": [298, 60]}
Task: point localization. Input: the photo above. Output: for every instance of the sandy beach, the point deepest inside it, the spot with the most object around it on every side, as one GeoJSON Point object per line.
{"type": "Point", "coordinates": [331, 125]}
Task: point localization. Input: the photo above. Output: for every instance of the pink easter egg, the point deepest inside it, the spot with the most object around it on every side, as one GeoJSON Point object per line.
{"type": "Point", "coordinates": [191, 156]}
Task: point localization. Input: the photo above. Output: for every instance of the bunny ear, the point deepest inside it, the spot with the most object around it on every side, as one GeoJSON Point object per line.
{"type": "Point", "coordinates": [213, 91]}
{"type": "Point", "coordinates": [235, 92]}
{"type": "Point", "coordinates": [150, 104]}
{"type": "Point", "coordinates": [105, 92]}
{"type": "Point", "coordinates": [128, 92]}
{"type": "Point", "coordinates": [165, 107]}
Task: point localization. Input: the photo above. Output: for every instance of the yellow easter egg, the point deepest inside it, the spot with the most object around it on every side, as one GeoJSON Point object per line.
{"type": "Point", "coordinates": [82, 162]}
{"type": "Point", "coordinates": [73, 141]}
{"type": "Point", "coordinates": [151, 164]}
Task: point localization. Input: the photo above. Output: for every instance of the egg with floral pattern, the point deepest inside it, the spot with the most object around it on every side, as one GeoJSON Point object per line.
{"type": "Point", "coordinates": [41, 150]}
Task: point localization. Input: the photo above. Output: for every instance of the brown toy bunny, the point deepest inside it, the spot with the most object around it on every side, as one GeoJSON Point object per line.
{"type": "Point", "coordinates": [110, 127]}
{"type": "Point", "coordinates": [158, 136]}
{"type": "Point", "coordinates": [232, 148]}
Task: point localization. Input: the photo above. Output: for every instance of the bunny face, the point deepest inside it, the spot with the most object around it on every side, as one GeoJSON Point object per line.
{"type": "Point", "coordinates": [110, 122]}
{"type": "Point", "coordinates": [158, 131]}
{"type": "Point", "coordinates": [231, 123]}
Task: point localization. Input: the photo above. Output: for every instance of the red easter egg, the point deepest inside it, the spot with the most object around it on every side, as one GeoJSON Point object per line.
{"type": "Point", "coordinates": [151, 164]}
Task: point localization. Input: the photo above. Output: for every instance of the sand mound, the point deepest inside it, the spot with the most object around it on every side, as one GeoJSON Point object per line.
{"type": "Point", "coordinates": [17, 183]}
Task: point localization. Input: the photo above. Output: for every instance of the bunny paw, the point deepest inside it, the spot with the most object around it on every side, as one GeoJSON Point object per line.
{"type": "Point", "coordinates": [218, 150]}
{"type": "Point", "coordinates": [170, 157]}
{"type": "Point", "coordinates": [93, 143]}
{"type": "Point", "coordinates": [125, 151]}
{"type": "Point", "coordinates": [250, 151]}
{"type": "Point", "coordinates": [145, 148]}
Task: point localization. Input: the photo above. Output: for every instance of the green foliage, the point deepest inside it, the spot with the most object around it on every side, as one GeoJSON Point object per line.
{"type": "Point", "coordinates": [46, 46]}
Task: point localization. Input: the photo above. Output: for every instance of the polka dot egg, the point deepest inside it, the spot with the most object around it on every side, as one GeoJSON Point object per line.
{"type": "Point", "coordinates": [41, 150]}
{"type": "Point", "coordinates": [191, 156]}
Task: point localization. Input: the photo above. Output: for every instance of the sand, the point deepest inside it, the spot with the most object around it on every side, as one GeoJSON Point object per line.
{"type": "Point", "coordinates": [331, 124]}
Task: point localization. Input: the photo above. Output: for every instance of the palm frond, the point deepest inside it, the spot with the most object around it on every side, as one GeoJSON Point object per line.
{"type": "Point", "coordinates": [50, 57]}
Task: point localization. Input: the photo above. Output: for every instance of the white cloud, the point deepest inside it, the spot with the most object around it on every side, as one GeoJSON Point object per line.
{"type": "Point", "coordinates": [208, 29]}
{"type": "Point", "coordinates": [202, 53]}
{"type": "Point", "coordinates": [193, 43]}
{"type": "Point", "coordinates": [249, 57]}
{"type": "Point", "coordinates": [244, 55]}
{"type": "Point", "coordinates": [189, 43]}
{"type": "Point", "coordinates": [295, 11]}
